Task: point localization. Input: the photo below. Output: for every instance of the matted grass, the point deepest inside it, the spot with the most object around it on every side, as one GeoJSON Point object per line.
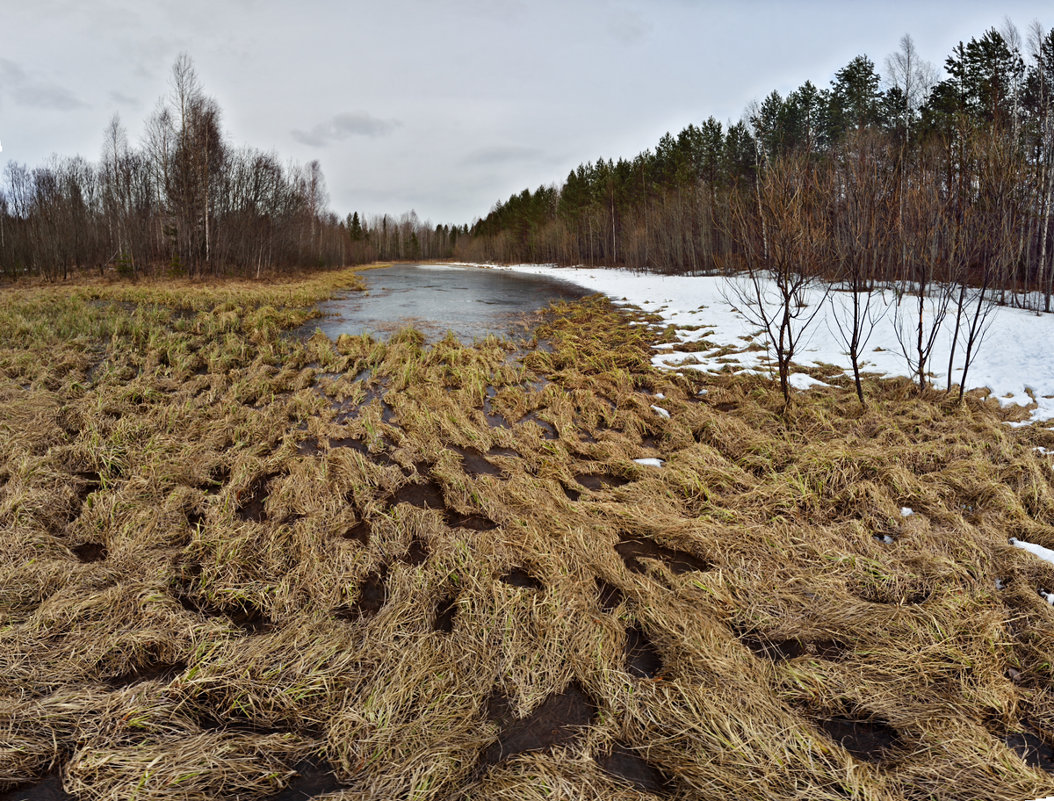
{"type": "Point", "coordinates": [233, 565]}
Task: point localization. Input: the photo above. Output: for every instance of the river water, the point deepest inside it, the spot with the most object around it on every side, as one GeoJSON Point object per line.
{"type": "Point", "coordinates": [435, 298]}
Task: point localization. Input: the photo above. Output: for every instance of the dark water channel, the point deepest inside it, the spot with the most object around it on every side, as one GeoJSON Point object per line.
{"type": "Point", "coordinates": [432, 298]}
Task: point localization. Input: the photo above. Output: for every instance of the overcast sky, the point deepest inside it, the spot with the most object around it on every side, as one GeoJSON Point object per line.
{"type": "Point", "coordinates": [442, 106]}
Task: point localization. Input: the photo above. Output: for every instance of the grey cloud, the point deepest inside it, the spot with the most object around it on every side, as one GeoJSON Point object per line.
{"type": "Point", "coordinates": [123, 99]}
{"type": "Point", "coordinates": [27, 90]}
{"type": "Point", "coordinates": [628, 27]}
{"type": "Point", "coordinates": [503, 154]}
{"type": "Point", "coordinates": [345, 125]}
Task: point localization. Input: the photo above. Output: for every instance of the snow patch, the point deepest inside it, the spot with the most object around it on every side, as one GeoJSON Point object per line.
{"type": "Point", "coordinates": [650, 462]}
{"type": "Point", "coordinates": [660, 411]}
{"type": "Point", "coordinates": [1045, 554]}
{"type": "Point", "coordinates": [703, 301]}
{"type": "Point", "coordinates": [804, 381]}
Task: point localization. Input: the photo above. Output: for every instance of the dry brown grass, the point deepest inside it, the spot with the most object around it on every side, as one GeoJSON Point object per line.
{"type": "Point", "coordinates": [224, 552]}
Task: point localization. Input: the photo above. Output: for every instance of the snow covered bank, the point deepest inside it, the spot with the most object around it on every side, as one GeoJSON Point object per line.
{"type": "Point", "coordinates": [1016, 359]}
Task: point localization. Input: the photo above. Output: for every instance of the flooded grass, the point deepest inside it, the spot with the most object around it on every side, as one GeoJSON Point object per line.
{"type": "Point", "coordinates": [240, 564]}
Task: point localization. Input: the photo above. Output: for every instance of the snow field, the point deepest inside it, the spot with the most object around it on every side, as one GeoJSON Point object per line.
{"type": "Point", "coordinates": [1015, 360]}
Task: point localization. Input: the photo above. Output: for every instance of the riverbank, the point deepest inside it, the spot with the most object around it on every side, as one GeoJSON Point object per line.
{"type": "Point", "coordinates": [235, 563]}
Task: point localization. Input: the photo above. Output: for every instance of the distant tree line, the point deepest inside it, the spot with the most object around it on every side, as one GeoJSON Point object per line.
{"type": "Point", "coordinates": [405, 238]}
{"type": "Point", "coordinates": [187, 201]}
{"type": "Point", "coordinates": [905, 178]}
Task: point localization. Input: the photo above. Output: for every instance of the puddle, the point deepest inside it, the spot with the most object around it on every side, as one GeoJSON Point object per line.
{"type": "Point", "coordinates": [518, 577]}
{"type": "Point", "coordinates": [548, 429]}
{"type": "Point", "coordinates": [427, 495]}
{"type": "Point", "coordinates": [253, 498]}
{"type": "Point", "coordinates": [308, 447]}
{"type": "Point", "coordinates": [572, 494]}
{"type": "Point", "coordinates": [313, 778]}
{"type": "Point", "coordinates": [469, 302]}
{"type": "Point", "coordinates": [372, 595]}
{"type": "Point", "coordinates": [445, 611]}
{"type": "Point", "coordinates": [599, 481]}
{"type": "Point", "coordinates": [642, 659]}
{"type": "Point", "coordinates": [559, 720]}
{"type": "Point", "coordinates": [780, 650]}
{"type": "Point", "coordinates": [870, 740]}
{"type": "Point", "coordinates": [496, 451]}
{"type": "Point", "coordinates": [473, 522]}
{"type": "Point", "coordinates": [608, 595]}
{"type": "Point", "coordinates": [495, 420]}
{"type": "Point", "coordinates": [47, 789]}
{"type": "Point", "coordinates": [360, 532]}
{"type": "Point", "coordinates": [352, 408]}
{"type": "Point", "coordinates": [631, 549]}
{"type": "Point", "coordinates": [475, 463]}
{"type": "Point", "coordinates": [90, 551]}
{"type": "Point", "coordinates": [159, 671]}
{"type": "Point", "coordinates": [625, 764]}
{"type": "Point", "coordinates": [1031, 749]}
{"type": "Point", "coordinates": [725, 407]}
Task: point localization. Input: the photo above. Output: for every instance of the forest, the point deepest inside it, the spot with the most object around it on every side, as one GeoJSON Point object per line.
{"type": "Point", "coordinates": [897, 177]}
{"type": "Point", "coordinates": [187, 201]}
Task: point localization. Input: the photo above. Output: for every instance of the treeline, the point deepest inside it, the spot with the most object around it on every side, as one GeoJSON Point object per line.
{"type": "Point", "coordinates": [406, 238]}
{"type": "Point", "coordinates": [186, 201]}
{"type": "Point", "coordinates": [951, 177]}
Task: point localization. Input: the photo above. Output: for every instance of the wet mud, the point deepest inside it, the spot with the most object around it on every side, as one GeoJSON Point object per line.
{"type": "Point", "coordinates": [1031, 748]}
{"type": "Point", "coordinates": [633, 549]}
{"type": "Point", "coordinates": [558, 720]}
{"type": "Point", "coordinates": [424, 495]}
{"type": "Point", "coordinates": [867, 739]}
{"type": "Point", "coordinates": [626, 765]}
{"type": "Point", "coordinates": [48, 788]}
{"type": "Point", "coordinates": [445, 612]}
{"type": "Point", "coordinates": [360, 533]}
{"type": "Point", "coordinates": [608, 595]}
{"type": "Point", "coordinates": [780, 650]}
{"type": "Point", "coordinates": [252, 501]}
{"type": "Point", "coordinates": [600, 481]}
{"type": "Point", "coordinates": [518, 577]}
{"type": "Point", "coordinates": [313, 778]}
{"type": "Point", "coordinates": [373, 593]}
{"type": "Point", "coordinates": [473, 522]}
{"type": "Point", "coordinates": [474, 463]}
{"type": "Point", "coordinates": [90, 552]}
{"type": "Point", "coordinates": [643, 660]}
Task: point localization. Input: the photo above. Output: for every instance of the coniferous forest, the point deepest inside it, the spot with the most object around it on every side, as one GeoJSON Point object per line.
{"type": "Point", "coordinates": [902, 175]}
